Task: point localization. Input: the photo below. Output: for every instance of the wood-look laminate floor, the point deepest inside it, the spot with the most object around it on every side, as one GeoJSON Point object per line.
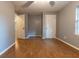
{"type": "Point", "coordinates": [37, 47]}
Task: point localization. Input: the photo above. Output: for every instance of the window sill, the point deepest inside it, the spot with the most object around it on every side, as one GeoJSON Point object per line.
{"type": "Point", "coordinates": [76, 34]}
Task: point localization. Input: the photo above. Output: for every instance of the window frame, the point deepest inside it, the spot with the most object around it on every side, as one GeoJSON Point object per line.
{"type": "Point", "coordinates": [77, 22]}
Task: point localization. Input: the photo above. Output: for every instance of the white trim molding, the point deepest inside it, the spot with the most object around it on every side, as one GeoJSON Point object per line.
{"type": "Point", "coordinates": [46, 38]}
{"type": "Point", "coordinates": [7, 49]}
{"type": "Point", "coordinates": [68, 44]}
{"type": "Point", "coordinates": [33, 36]}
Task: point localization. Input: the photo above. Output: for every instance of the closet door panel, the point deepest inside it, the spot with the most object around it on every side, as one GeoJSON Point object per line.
{"type": "Point", "coordinates": [50, 26]}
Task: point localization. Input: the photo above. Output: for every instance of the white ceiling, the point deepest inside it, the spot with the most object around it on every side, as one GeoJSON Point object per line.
{"type": "Point", "coordinates": [40, 6]}
{"type": "Point", "coordinates": [19, 3]}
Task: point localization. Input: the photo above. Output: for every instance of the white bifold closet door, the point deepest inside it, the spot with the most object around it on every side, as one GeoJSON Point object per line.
{"type": "Point", "coordinates": [49, 24]}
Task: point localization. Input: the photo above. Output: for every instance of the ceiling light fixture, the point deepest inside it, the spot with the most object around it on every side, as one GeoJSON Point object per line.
{"type": "Point", "coordinates": [52, 3]}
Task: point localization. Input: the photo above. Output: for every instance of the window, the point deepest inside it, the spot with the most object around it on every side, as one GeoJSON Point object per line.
{"type": "Point", "coordinates": [77, 21]}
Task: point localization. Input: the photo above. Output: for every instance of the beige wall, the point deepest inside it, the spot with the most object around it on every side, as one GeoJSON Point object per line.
{"type": "Point", "coordinates": [7, 28]}
{"type": "Point", "coordinates": [66, 24]}
{"type": "Point", "coordinates": [20, 26]}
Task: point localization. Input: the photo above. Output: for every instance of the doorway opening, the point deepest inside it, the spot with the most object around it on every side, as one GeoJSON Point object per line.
{"type": "Point", "coordinates": [32, 25]}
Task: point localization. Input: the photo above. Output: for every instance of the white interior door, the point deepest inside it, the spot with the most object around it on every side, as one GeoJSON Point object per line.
{"type": "Point", "coordinates": [20, 26]}
{"type": "Point", "coordinates": [50, 26]}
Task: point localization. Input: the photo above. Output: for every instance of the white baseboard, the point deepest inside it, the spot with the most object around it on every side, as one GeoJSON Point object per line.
{"type": "Point", "coordinates": [43, 38]}
{"type": "Point", "coordinates": [7, 49]}
{"type": "Point", "coordinates": [48, 38]}
{"type": "Point", "coordinates": [33, 36]}
{"type": "Point", "coordinates": [68, 44]}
